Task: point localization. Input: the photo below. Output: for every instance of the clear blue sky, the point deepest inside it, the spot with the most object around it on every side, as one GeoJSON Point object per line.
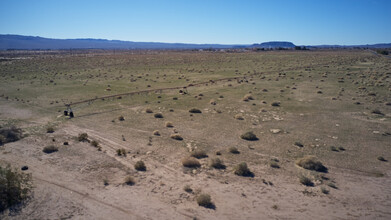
{"type": "Point", "coordinates": [303, 22]}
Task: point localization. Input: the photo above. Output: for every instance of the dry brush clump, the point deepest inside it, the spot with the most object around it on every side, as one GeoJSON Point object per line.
{"type": "Point", "coordinates": [140, 166]}
{"type": "Point", "coordinates": [95, 143]}
{"type": "Point", "coordinates": [10, 134]}
{"type": "Point", "coordinates": [199, 154]}
{"type": "Point", "coordinates": [129, 180]}
{"type": "Point", "coordinates": [248, 97]}
{"type": "Point", "coordinates": [239, 117]}
{"type": "Point", "coordinates": [311, 163]}
{"type": "Point", "coordinates": [50, 129]}
{"type": "Point", "coordinates": [242, 170]}
{"type": "Point", "coordinates": [50, 149]}
{"type": "Point", "coordinates": [190, 162]}
{"type": "Point", "coordinates": [121, 152]}
{"type": "Point", "coordinates": [217, 163]}
{"type": "Point", "coordinates": [83, 137]}
{"type": "Point", "coordinates": [234, 150]}
{"type": "Point", "coordinates": [169, 124]}
{"type": "Point", "coordinates": [158, 115]}
{"type": "Point", "coordinates": [249, 136]}
{"type": "Point", "coordinates": [205, 201]}
{"type": "Point", "coordinates": [305, 181]}
{"type": "Point", "coordinates": [177, 137]}
{"type": "Point", "coordinates": [195, 110]}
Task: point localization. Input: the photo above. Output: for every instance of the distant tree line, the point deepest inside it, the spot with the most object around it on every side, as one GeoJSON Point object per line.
{"type": "Point", "coordinates": [300, 48]}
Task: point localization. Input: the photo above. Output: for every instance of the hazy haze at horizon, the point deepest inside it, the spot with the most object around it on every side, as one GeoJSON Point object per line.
{"type": "Point", "coordinates": [304, 22]}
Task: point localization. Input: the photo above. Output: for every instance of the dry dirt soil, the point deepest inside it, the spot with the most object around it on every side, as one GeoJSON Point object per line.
{"type": "Point", "coordinates": [334, 105]}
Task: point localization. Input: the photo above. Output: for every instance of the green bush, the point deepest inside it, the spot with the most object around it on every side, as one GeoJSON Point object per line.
{"type": "Point", "coordinates": [158, 115]}
{"type": "Point", "coordinates": [15, 187]}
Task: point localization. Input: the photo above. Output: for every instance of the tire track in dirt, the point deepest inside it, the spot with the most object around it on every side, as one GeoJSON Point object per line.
{"type": "Point", "coordinates": [87, 196]}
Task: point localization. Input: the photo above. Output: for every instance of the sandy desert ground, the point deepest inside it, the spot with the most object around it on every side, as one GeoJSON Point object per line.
{"type": "Point", "coordinates": [334, 105]}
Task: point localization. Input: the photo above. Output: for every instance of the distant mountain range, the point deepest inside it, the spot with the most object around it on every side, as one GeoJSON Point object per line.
{"type": "Point", "coordinates": [20, 42]}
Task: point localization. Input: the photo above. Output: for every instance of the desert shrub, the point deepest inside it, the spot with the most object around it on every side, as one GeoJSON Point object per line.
{"type": "Point", "coordinates": [50, 149]}
{"type": "Point", "coordinates": [10, 134]}
{"type": "Point", "coordinates": [199, 154]}
{"type": "Point", "coordinates": [234, 150]}
{"type": "Point", "coordinates": [276, 104]}
{"type": "Point", "coordinates": [311, 163]}
{"type": "Point", "coordinates": [176, 137]}
{"type": "Point", "coordinates": [140, 166]}
{"type": "Point", "coordinates": [217, 163]}
{"type": "Point", "coordinates": [239, 117]}
{"type": "Point", "coordinates": [49, 130]}
{"type": "Point", "coordinates": [248, 97]}
{"type": "Point", "coordinates": [205, 200]}
{"type": "Point", "coordinates": [188, 189]}
{"type": "Point", "coordinates": [195, 110]}
{"type": "Point", "coordinates": [158, 115]}
{"type": "Point", "coordinates": [129, 180]}
{"type": "Point", "coordinates": [15, 187]}
{"type": "Point", "coordinates": [381, 159]}
{"type": "Point", "coordinates": [218, 152]}
{"type": "Point", "coordinates": [242, 170]}
{"type": "Point", "coordinates": [324, 190]}
{"type": "Point", "coordinates": [190, 162]}
{"type": "Point", "coordinates": [148, 110]}
{"type": "Point", "coordinates": [332, 185]}
{"type": "Point", "coordinates": [121, 152]}
{"type": "Point", "coordinates": [156, 132]}
{"type": "Point", "coordinates": [299, 144]}
{"type": "Point", "coordinates": [169, 124]}
{"type": "Point", "coordinates": [95, 143]}
{"type": "Point", "coordinates": [333, 148]}
{"type": "Point", "coordinates": [274, 164]}
{"type": "Point", "coordinates": [105, 182]}
{"type": "Point", "coordinates": [213, 102]}
{"type": "Point", "coordinates": [341, 148]}
{"type": "Point", "coordinates": [377, 111]}
{"type": "Point", "coordinates": [83, 137]}
{"type": "Point", "coordinates": [249, 136]}
{"type": "Point", "coordinates": [305, 181]}
{"type": "Point", "coordinates": [121, 118]}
